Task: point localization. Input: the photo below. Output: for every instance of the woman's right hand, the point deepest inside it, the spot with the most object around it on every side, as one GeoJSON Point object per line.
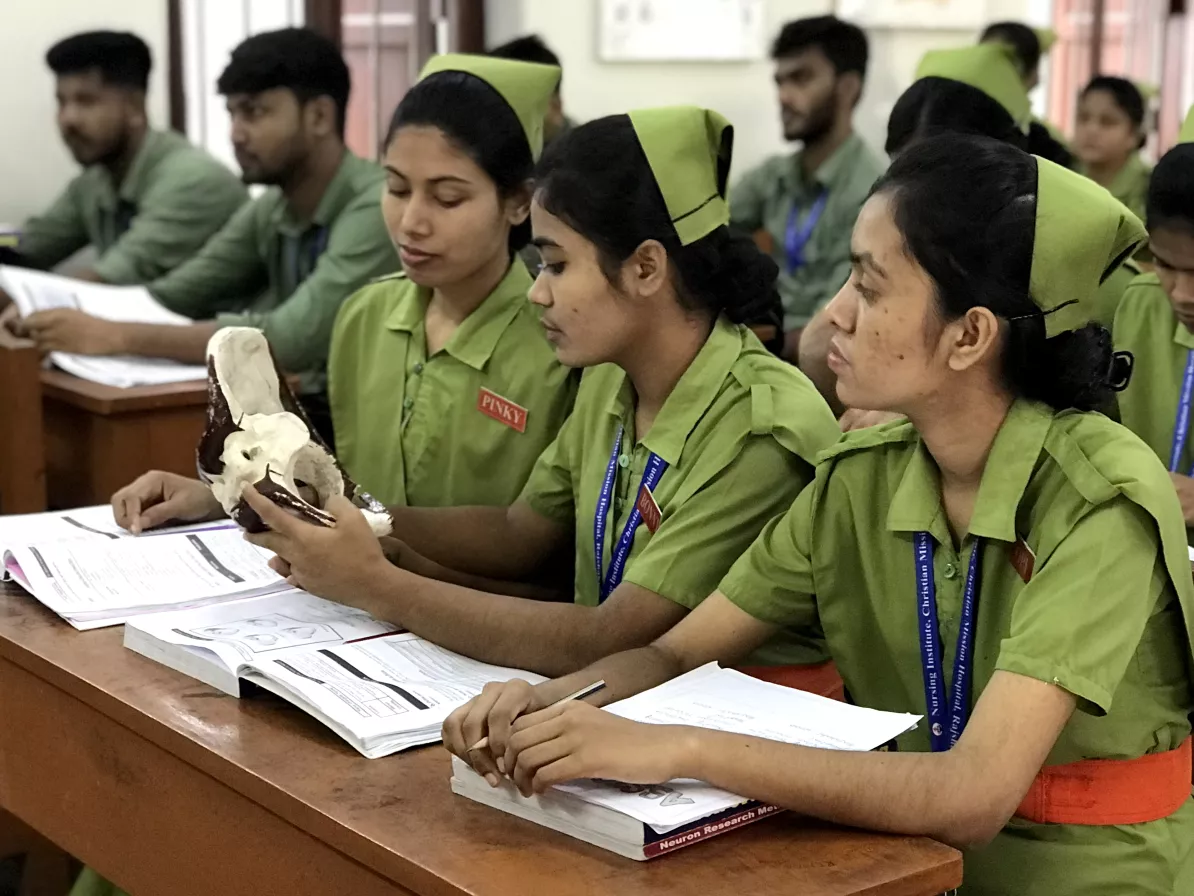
{"type": "Point", "coordinates": [490, 714]}
{"type": "Point", "coordinates": [157, 498]}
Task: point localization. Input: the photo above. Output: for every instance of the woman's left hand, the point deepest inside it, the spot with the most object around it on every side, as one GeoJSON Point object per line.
{"type": "Point", "coordinates": [340, 563]}
{"type": "Point", "coordinates": [577, 740]}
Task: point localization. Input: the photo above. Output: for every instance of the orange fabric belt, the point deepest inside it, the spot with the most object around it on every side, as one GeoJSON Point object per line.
{"type": "Point", "coordinates": [820, 679]}
{"type": "Point", "coordinates": [1111, 791]}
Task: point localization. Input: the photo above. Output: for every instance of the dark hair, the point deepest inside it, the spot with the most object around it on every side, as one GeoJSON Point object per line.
{"type": "Point", "coordinates": [1125, 94]}
{"type": "Point", "coordinates": [530, 48]}
{"type": "Point", "coordinates": [938, 105]}
{"type": "Point", "coordinates": [476, 119]}
{"type": "Point", "coordinates": [843, 44]}
{"type": "Point", "coordinates": [122, 59]}
{"type": "Point", "coordinates": [1171, 190]}
{"type": "Point", "coordinates": [305, 63]}
{"type": "Point", "coordinates": [1022, 39]}
{"type": "Point", "coordinates": [597, 180]}
{"type": "Point", "coordinates": [966, 207]}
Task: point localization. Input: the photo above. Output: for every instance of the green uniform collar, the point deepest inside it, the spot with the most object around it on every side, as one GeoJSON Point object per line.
{"type": "Point", "coordinates": [691, 397]}
{"type": "Point", "coordinates": [339, 192]}
{"type": "Point", "coordinates": [155, 145]}
{"type": "Point", "coordinates": [916, 503]}
{"type": "Point", "coordinates": [827, 174]}
{"type": "Point", "coordinates": [475, 339]}
{"type": "Point", "coordinates": [1181, 335]}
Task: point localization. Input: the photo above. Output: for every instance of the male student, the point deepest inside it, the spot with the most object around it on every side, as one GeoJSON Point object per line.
{"type": "Point", "coordinates": [807, 201]}
{"type": "Point", "coordinates": [287, 261]}
{"type": "Point", "coordinates": [146, 200]}
{"type": "Point", "coordinates": [531, 48]}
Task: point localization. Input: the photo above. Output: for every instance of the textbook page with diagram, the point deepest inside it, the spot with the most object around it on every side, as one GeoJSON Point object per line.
{"type": "Point", "coordinates": [34, 291]}
{"type": "Point", "coordinates": [643, 822]}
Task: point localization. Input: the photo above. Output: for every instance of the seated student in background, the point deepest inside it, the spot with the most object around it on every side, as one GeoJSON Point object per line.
{"type": "Point", "coordinates": [1108, 136]}
{"type": "Point", "coordinates": [1029, 45]}
{"type": "Point", "coordinates": [1003, 561]}
{"type": "Point", "coordinates": [285, 262]}
{"type": "Point", "coordinates": [686, 438]}
{"type": "Point", "coordinates": [443, 389]}
{"type": "Point", "coordinates": [146, 199]}
{"type": "Point", "coordinates": [806, 202]}
{"type": "Point", "coordinates": [1156, 323]}
{"type": "Point", "coordinates": [532, 48]}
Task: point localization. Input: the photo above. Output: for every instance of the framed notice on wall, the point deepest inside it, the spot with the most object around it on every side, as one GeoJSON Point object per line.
{"type": "Point", "coordinates": [681, 30]}
{"type": "Point", "coordinates": [952, 15]}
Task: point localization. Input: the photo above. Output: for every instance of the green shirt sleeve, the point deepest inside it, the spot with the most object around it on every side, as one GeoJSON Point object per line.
{"type": "Point", "coordinates": [748, 198]}
{"type": "Point", "coordinates": [549, 489]}
{"type": "Point", "coordinates": [56, 234]}
{"type": "Point", "coordinates": [226, 274]}
{"type": "Point", "coordinates": [299, 330]}
{"type": "Point", "coordinates": [693, 548]}
{"type": "Point", "coordinates": [1079, 621]}
{"type": "Point", "coordinates": [175, 217]}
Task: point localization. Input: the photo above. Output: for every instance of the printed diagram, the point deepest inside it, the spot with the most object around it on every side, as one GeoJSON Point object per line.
{"type": "Point", "coordinates": [273, 631]}
{"type": "Point", "coordinates": [667, 796]}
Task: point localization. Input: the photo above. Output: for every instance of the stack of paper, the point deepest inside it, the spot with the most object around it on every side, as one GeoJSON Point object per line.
{"type": "Point", "coordinates": [36, 291]}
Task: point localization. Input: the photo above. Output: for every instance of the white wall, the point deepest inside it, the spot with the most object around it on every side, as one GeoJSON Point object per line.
{"type": "Point", "coordinates": [741, 91]}
{"type": "Point", "coordinates": [34, 164]}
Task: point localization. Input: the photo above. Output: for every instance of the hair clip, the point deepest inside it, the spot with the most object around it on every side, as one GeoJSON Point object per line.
{"type": "Point", "coordinates": [1119, 371]}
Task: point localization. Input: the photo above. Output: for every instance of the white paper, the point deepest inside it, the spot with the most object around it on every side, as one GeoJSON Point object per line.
{"type": "Point", "coordinates": [1192, 554]}
{"type": "Point", "coordinates": [37, 291]}
{"type": "Point", "coordinates": [682, 30]}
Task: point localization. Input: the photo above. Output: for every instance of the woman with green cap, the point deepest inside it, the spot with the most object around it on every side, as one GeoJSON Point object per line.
{"type": "Point", "coordinates": [1156, 323]}
{"type": "Point", "coordinates": [1003, 562]}
{"type": "Point", "coordinates": [443, 390]}
{"type": "Point", "coordinates": [686, 438]}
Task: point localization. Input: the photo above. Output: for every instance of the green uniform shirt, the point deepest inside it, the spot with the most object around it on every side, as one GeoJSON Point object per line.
{"type": "Point", "coordinates": [173, 198]}
{"type": "Point", "coordinates": [1101, 617]}
{"type": "Point", "coordinates": [739, 432]}
{"type": "Point", "coordinates": [1111, 293]}
{"type": "Point", "coordinates": [764, 199]}
{"type": "Point", "coordinates": [288, 277]}
{"type": "Point", "coordinates": [419, 431]}
{"type": "Point", "coordinates": [1130, 186]}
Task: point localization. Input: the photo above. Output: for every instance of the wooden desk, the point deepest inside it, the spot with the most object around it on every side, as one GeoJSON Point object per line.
{"type": "Point", "coordinates": [165, 786]}
{"type": "Point", "coordinates": [99, 438]}
{"type": "Point", "coordinates": [22, 460]}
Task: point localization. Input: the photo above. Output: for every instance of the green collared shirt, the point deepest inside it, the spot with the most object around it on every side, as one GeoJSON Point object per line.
{"type": "Point", "coordinates": [288, 277]}
{"type": "Point", "coordinates": [173, 198]}
{"type": "Point", "coordinates": [765, 198]}
{"type": "Point", "coordinates": [422, 431]}
{"type": "Point", "coordinates": [1130, 185]}
{"type": "Point", "coordinates": [1111, 292]}
{"type": "Point", "coordinates": [739, 432]}
{"type": "Point", "coordinates": [1106, 613]}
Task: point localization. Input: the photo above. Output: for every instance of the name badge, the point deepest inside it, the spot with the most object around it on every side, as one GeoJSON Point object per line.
{"type": "Point", "coordinates": [650, 511]}
{"type": "Point", "coordinates": [503, 410]}
{"type": "Point", "coordinates": [1023, 560]}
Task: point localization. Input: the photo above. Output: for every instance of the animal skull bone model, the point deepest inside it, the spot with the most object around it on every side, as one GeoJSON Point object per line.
{"type": "Point", "coordinates": [258, 434]}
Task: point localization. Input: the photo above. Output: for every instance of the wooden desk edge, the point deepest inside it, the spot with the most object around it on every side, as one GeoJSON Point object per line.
{"type": "Point", "coordinates": [100, 399]}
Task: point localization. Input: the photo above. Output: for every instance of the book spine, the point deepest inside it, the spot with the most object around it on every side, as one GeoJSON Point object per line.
{"type": "Point", "coordinates": [701, 832]}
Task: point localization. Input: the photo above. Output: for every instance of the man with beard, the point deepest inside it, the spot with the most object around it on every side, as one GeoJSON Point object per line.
{"type": "Point", "coordinates": [285, 262]}
{"type": "Point", "coordinates": [147, 200]}
{"type": "Point", "coordinates": [806, 202]}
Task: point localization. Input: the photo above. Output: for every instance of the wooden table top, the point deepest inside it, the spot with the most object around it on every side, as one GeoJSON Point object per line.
{"type": "Point", "coordinates": [100, 399]}
{"type": "Point", "coordinates": [397, 816]}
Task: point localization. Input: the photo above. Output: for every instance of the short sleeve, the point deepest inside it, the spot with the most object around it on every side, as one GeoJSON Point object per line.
{"type": "Point", "coordinates": [549, 490]}
{"type": "Point", "coordinates": [1079, 621]}
{"type": "Point", "coordinates": [694, 547]}
{"type": "Point", "coordinates": [773, 580]}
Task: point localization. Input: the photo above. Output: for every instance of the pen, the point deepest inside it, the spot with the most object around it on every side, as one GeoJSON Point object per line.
{"type": "Point", "coordinates": [587, 691]}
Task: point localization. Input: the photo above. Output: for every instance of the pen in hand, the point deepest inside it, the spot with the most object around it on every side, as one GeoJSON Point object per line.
{"type": "Point", "coordinates": [587, 691]}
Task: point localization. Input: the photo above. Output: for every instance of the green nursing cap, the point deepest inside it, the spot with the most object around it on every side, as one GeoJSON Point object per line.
{"type": "Point", "coordinates": [1186, 135]}
{"type": "Point", "coordinates": [689, 150]}
{"type": "Point", "coordinates": [1082, 234]}
{"type": "Point", "coordinates": [527, 87]}
{"type": "Point", "coordinates": [1046, 37]}
{"type": "Point", "coordinates": [989, 67]}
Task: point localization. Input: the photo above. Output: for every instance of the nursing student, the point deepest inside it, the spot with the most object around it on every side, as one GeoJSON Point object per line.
{"type": "Point", "coordinates": [443, 389]}
{"type": "Point", "coordinates": [686, 438]}
{"type": "Point", "coordinates": [1108, 137]}
{"type": "Point", "coordinates": [1156, 323]}
{"type": "Point", "coordinates": [1004, 562]}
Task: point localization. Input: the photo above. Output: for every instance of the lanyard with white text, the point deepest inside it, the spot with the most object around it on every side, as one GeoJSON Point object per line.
{"type": "Point", "coordinates": [944, 730]}
{"type": "Point", "coordinates": [610, 580]}
{"type": "Point", "coordinates": [796, 237]}
{"type": "Point", "coordinates": [1182, 427]}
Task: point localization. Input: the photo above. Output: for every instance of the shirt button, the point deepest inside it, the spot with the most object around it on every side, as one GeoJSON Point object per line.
{"type": "Point", "coordinates": [408, 403]}
{"type": "Point", "coordinates": [419, 367]}
{"type": "Point", "coordinates": [950, 571]}
{"type": "Point", "coordinates": [624, 461]}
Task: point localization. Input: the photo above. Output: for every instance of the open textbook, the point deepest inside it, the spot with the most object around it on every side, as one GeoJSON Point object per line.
{"type": "Point", "coordinates": [92, 583]}
{"type": "Point", "coordinates": [37, 291]}
{"type": "Point", "coordinates": [386, 693]}
{"type": "Point", "coordinates": [642, 822]}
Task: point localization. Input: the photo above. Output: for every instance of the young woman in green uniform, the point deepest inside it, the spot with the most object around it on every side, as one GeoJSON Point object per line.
{"type": "Point", "coordinates": [1156, 323]}
{"type": "Point", "coordinates": [686, 438]}
{"type": "Point", "coordinates": [1108, 137]}
{"type": "Point", "coordinates": [1002, 562]}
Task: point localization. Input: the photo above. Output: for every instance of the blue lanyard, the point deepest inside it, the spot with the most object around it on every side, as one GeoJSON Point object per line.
{"type": "Point", "coordinates": [944, 730]}
{"type": "Point", "coordinates": [1182, 427]}
{"type": "Point", "coordinates": [610, 580]}
{"type": "Point", "coordinates": [796, 237]}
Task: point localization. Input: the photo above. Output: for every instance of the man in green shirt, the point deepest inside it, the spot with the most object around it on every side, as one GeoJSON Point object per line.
{"type": "Point", "coordinates": [806, 203]}
{"type": "Point", "coordinates": [287, 261]}
{"type": "Point", "coordinates": [146, 200]}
